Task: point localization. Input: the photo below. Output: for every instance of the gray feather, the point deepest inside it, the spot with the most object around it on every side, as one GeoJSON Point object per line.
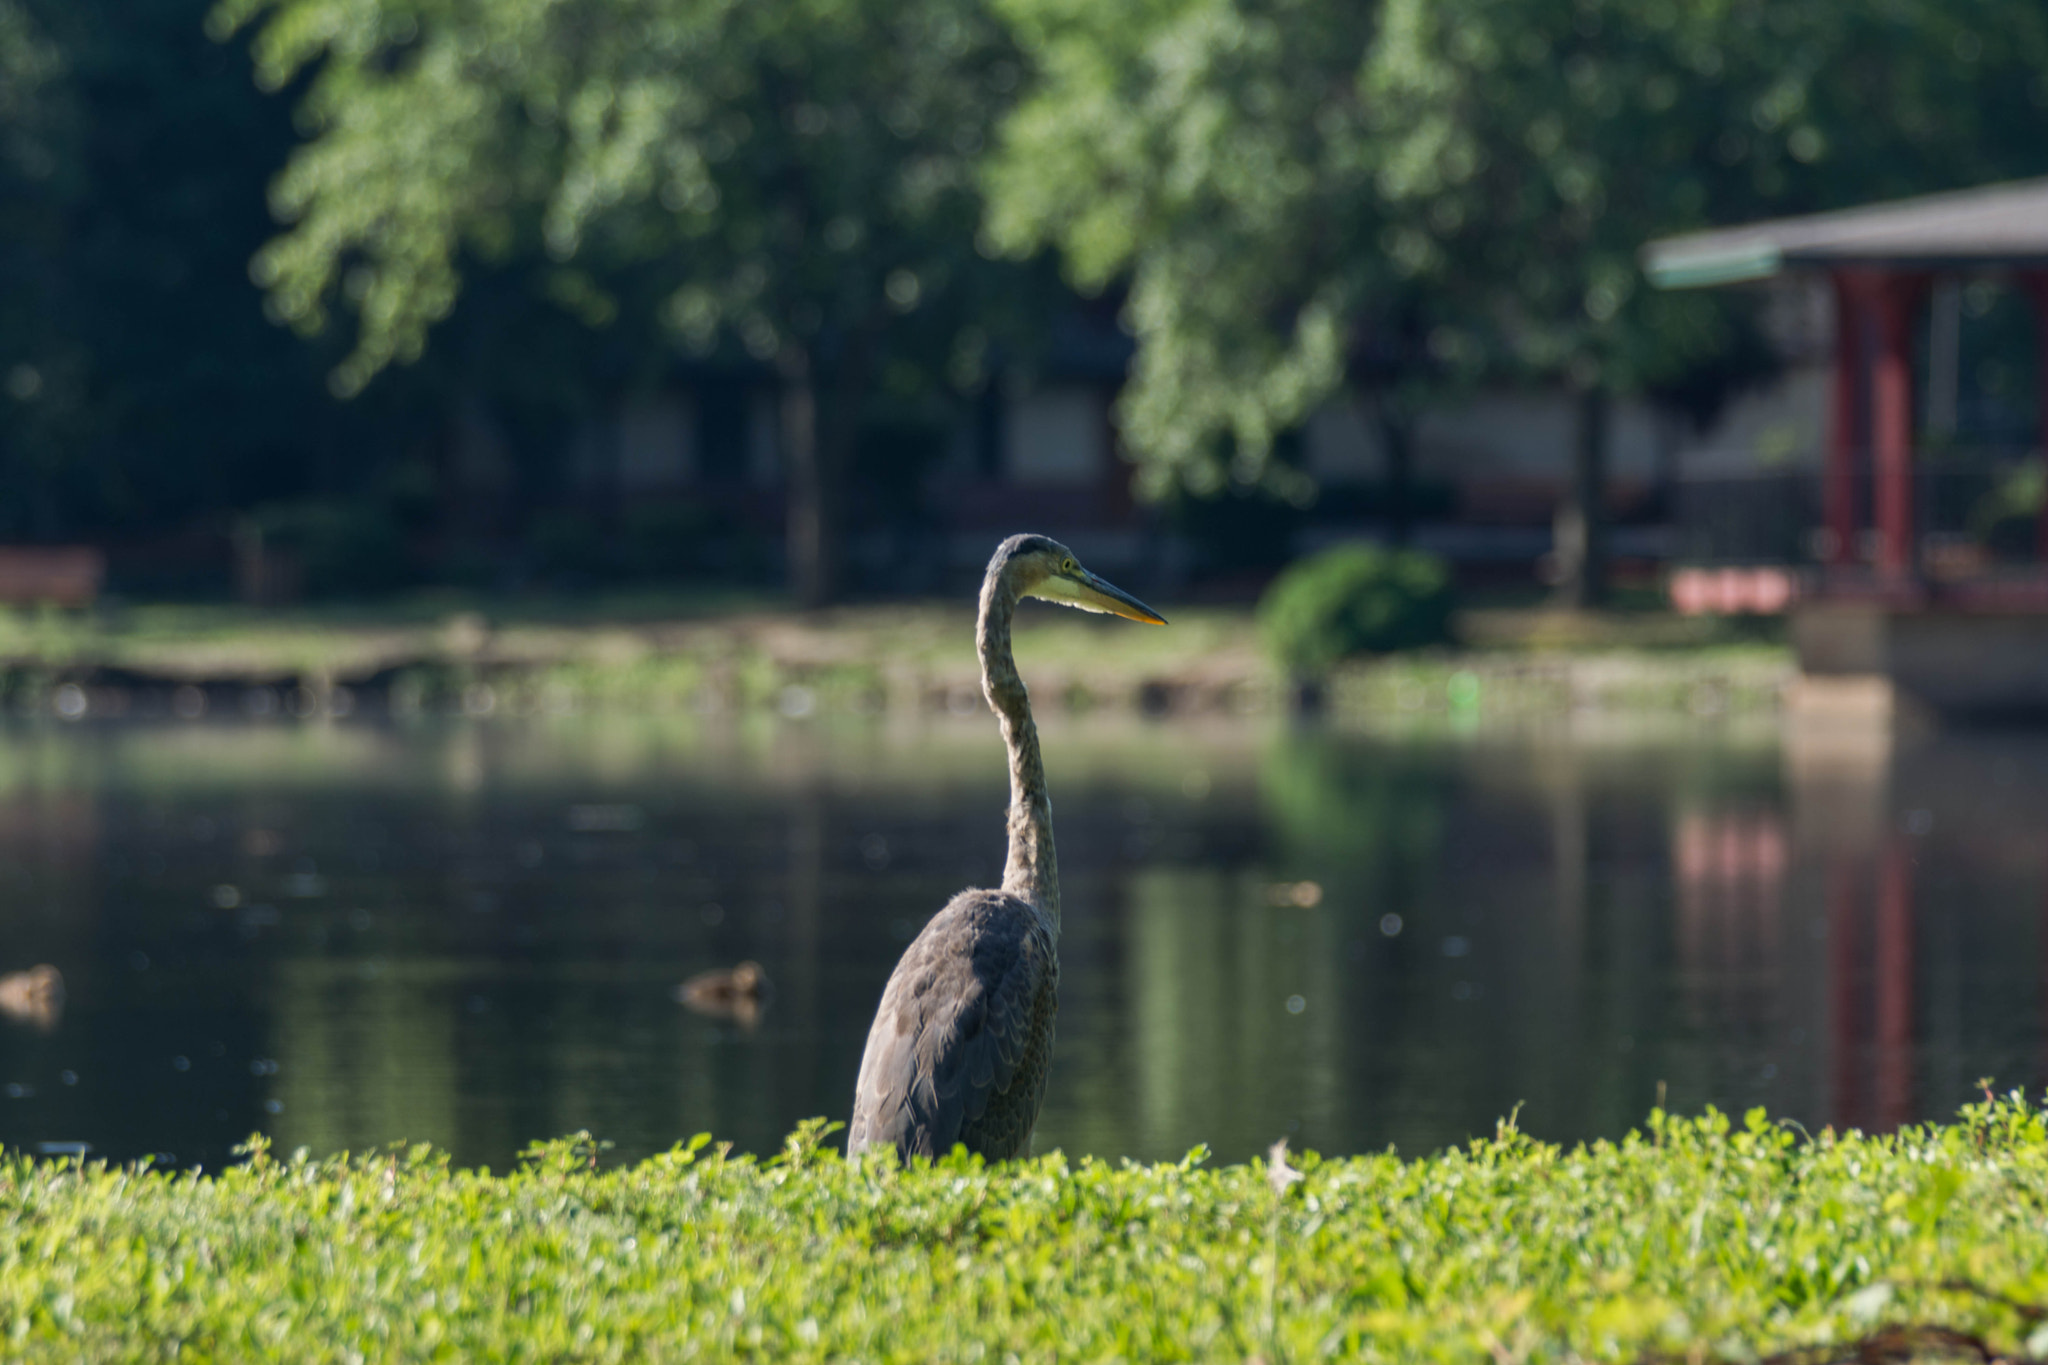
{"type": "Point", "coordinates": [960, 1045]}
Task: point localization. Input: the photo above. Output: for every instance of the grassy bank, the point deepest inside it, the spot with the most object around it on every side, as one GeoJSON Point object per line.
{"type": "Point", "coordinates": [729, 654]}
{"type": "Point", "coordinates": [1692, 1238]}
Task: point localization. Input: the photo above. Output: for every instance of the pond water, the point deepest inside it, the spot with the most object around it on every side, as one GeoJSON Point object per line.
{"type": "Point", "coordinates": [470, 932]}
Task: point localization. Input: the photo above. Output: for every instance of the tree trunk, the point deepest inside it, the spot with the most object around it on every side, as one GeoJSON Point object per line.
{"type": "Point", "coordinates": [812, 548]}
{"type": "Point", "coordinates": [1397, 437]}
{"type": "Point", "coordinates": [1580, 530]}
{"type": "Point", "coordinates": [821, 411]}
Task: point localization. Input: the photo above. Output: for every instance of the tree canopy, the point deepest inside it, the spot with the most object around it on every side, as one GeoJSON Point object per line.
{"type": "Point", "coordinates": [1286, 182]}
{"type": "Point", "coordinates": [792, 182]}
{"type": "Point", "coordinates": [1284, 196]}
{"type": "Point", "coordinates": [36, 361]}
{"type": "Point", "coordinates": [140, 386]}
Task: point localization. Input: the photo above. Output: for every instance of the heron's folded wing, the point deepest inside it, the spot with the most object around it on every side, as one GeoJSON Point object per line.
{"type": "Point", "coordinates": [954, 1023]}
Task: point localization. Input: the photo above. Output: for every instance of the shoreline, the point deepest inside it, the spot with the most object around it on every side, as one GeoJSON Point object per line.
{"type": "Point", "coordinates": [911, 658]}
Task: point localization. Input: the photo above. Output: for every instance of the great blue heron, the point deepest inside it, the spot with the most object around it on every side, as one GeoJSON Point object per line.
{"type": "Point", "coordinates": [959, 1048]}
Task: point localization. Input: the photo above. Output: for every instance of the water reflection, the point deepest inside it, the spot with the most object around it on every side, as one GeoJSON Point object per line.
{"type": "Point", "coordinates": [477, 933]}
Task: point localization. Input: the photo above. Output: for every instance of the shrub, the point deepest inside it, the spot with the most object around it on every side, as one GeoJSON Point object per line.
{"type": "Point", "coordinates": [1355, 599]}
{"type": "Point", "coordinates": [1694, 1239]}
{"type": "Point", "coordinates": [668, 539]}
{"type": "Point", "coordinates": [569, 544]}
{"type": "Point", "coordinates": [345, 547]}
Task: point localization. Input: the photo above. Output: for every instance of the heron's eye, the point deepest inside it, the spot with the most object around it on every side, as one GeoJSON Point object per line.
{"type": "Point", "coordinates": [1069, 566]}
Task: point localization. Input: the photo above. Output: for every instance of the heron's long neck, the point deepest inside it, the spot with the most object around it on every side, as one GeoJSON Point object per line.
{"type": "Point", "coordinates": [1033, 869]}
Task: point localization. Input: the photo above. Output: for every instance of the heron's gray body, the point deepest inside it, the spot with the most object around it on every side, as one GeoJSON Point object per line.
{"type": "Point", "coordinates": [961, 1043]}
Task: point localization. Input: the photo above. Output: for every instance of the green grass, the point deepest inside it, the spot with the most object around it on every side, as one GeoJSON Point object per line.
{"type": "Point", "coordinates": [1696, 1238]}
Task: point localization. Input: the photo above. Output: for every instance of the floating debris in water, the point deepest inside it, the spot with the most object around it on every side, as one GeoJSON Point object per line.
{"type": "Point", "coordinates": [606, 819]}
{"type": "Point", "coordinates": [1303, 894]}
{"type": "Point", "coordinates": [735, 993]}
{"type": "Point", "coordinates": [34, 997]}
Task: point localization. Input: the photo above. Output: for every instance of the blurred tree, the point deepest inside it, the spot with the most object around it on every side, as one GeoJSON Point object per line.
{"type": "Point", "coordinates": [1209, 151]}
{"type": "Point", "coordinates": [1549, 139]}
{"type": "Point", "coordinates": [794, 181]}
{"type": "Point", "coordinates": [38, 361]}
{"type": "Point", "coordinates": [1419, 194]}
{"type": "Point", "coordinates": [139, 383]}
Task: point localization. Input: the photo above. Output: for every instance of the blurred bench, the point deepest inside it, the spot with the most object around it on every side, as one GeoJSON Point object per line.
{"type": "Point", "coordinates": [63, 575]}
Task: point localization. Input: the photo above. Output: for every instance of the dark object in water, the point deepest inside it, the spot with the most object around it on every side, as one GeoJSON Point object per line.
{"type": "Point", "coordinates": [735, 993]}
{"type": "Point", "coordinates": [35, 996]}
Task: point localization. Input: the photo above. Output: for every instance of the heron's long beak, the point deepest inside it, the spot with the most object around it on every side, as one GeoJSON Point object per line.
{"type": "Point", "coordinates": [1092, 592]}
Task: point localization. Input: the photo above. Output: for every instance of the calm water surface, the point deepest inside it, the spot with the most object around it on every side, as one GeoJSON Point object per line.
{"type": "Point", "coordinates": [469, 933]}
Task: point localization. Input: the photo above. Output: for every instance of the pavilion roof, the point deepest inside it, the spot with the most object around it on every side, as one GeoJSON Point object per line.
{"type": "Point", "coordinates": [1993, 225]}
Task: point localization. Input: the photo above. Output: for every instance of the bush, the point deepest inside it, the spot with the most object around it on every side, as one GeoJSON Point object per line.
{"type": "Point", "coordinates": [1355, 599]}
{"type": "Point", "coordinates": [344, 547]}
{"type": "Point", "coordinates": [667, 539]}
{"type": "Point", "coordinates": [1692, 1240]}
{"type": "Point", "coordinates": [569, 544]}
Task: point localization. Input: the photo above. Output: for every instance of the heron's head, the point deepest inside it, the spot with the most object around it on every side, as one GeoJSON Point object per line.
{"type": "Point", "coordinates": [1041, 567]}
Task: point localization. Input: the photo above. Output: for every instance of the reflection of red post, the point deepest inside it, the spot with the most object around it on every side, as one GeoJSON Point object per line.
{"type": "Point", "coordinates": [2036, 284]}
{"type": "Point", "coordinates": [1843, 1011]}
{"type": "Point", "coordinates": [1891, 423]}
{"type": "Point", "coordinates": [1894, 985]}
{"type": "Point", "coordinates": [1838, 487]}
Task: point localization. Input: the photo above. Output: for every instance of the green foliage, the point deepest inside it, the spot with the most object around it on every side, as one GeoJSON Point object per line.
{"type": "Point", "coordinates": [788, 184]}
{"type": "Point", "coordinates": [651, 541]}
{"type": "Point", "coordinates": [2007, 516]}
{"type": "Point", "coordinates": [1422, 194]}
{"type": "Point", "coordinates": [140, 386]}
{"type": "Point", "coordinates": [1355, 599]}
{"type": "Point", "coordinates": [567, 543]}
{"type": "Point", "coordinates": [344, 547]}
{"type": "Point", "coordinates": [1693, 1236]}
{"type": "Point", "coordinates": [39, 360]}
{"type": "Point", "coordinates": [770, 174]}
{"type": "Point", "coordinates": [1208, 152]}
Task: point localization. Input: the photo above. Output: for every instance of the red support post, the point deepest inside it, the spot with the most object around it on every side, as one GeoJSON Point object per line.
{"type": "Point", "coordinates": [1838, 485]}
{"type": "Point", "coordinates": [1892, 985]}
{"type": "Point", "coordinates": [1891, 423]}
{"type": "Point", "coordinates": [1845, 1004]}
